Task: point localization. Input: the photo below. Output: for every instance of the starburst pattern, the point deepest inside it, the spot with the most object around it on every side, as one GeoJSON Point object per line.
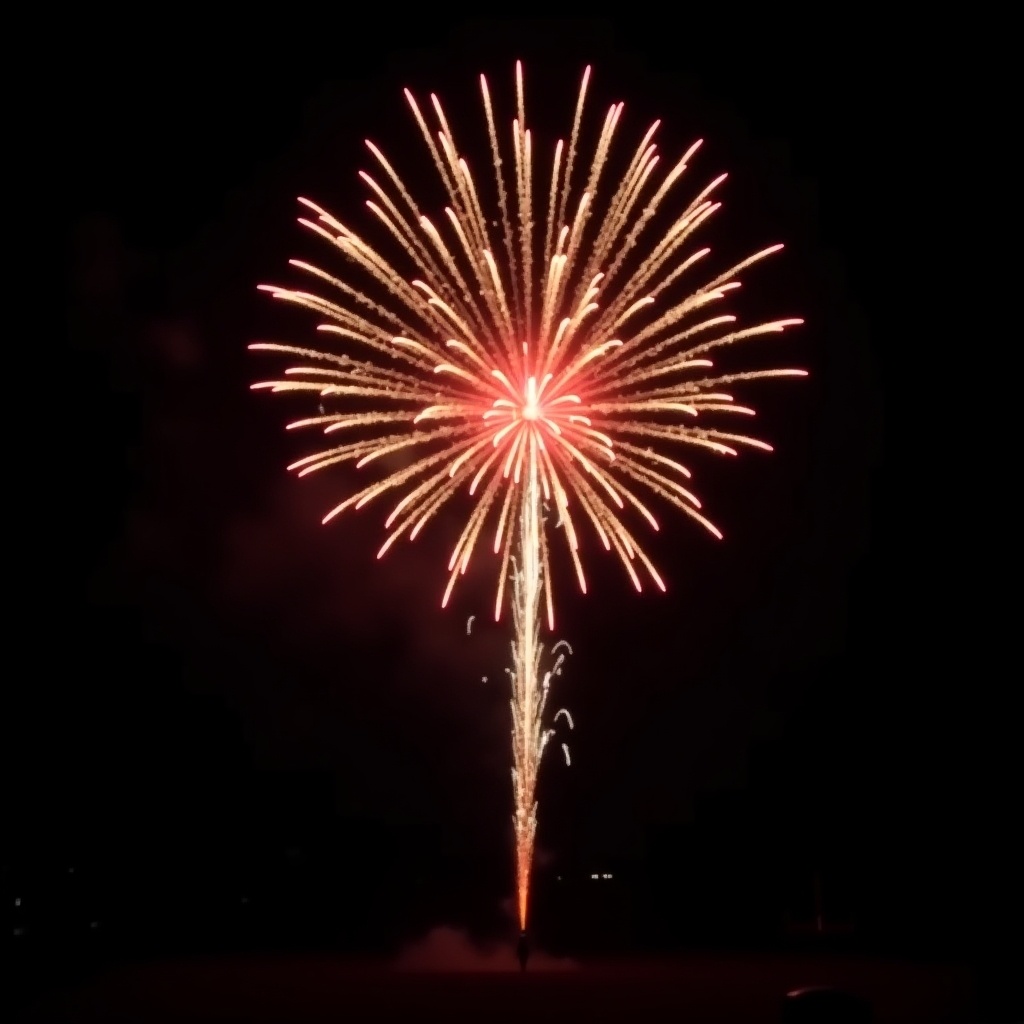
{"type": "Point", "coordinates": [490, 354]}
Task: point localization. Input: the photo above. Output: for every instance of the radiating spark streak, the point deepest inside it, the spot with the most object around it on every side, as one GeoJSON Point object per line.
{"type": "Point", "coordinates": [550, 373]}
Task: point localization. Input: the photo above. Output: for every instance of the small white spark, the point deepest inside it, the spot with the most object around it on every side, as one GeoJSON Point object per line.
{"type": "Point", "coordinates": [565, 750]}
{"type": "Point", "coordinates": [469, 624]}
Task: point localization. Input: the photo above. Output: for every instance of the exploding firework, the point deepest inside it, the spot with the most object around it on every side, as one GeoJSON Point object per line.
{"type": "Point", "coordinates": [551, 377]}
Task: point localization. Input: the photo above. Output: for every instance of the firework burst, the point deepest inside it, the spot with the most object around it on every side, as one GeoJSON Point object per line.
{"type": "Point", "coordinates": [552, 376]}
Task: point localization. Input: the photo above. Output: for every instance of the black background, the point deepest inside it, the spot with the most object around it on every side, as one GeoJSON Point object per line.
{"type": "Point", "coordinates": [216, 699]}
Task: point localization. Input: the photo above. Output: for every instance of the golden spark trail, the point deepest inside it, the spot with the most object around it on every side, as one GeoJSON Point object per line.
{"type": "Point", "coordinates": [525, 367]}
{"type": "Point", "coordinates": [525, 706]}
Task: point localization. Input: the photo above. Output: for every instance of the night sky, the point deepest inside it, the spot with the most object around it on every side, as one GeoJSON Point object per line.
{"type": "Point", "coordinates": [215, 679]}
